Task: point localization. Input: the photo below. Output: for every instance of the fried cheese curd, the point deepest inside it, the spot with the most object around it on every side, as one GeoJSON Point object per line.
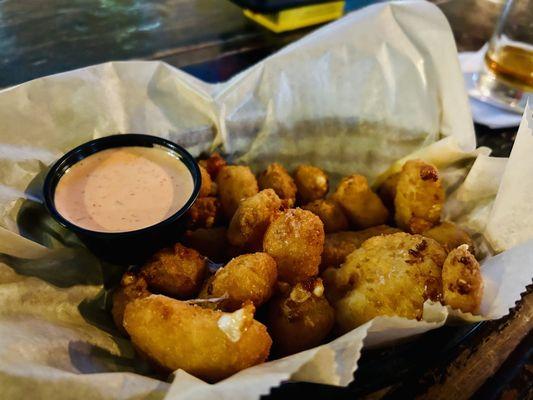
{"type": "Point", "coordinates": [207, 188]}
{"type": "Point", "coordinates": [330, 213]}
{"type": "Point", "coordinates": [249, 277]}
{"type": "Point", "coordinates": [462, 281]}
{"type": "Point", "coordinates": [450, 236]}
{"type": "Point", "coordinates": [176, 271]}
{"type": "Point", "coordinates": [312, 183]}
{"type": "Point", "coordinates": [387, 191]}
{"type": "Point", "coordinates": [388, 275]}
{"type": "Point", "coordinates": [299, 317]}
{"type": "Point", "coordinates": [360, 204]}
{"type": "Point", "coordinates": [132, 286]}
{"type": "Point", "coordinates": [338, 245]}
{"type": "Point", "coordinates": [252, 218]}
{"type": "Point", "coordinates": [208, 344]}
{"type": "Point", "coordinates": [295, 239]}
{"type": "Point", "coordinates": [419, 197]}
{"type": "Point", "coordinates": [204, 213]}
{"type": "Point", "coordinates": [213, 164]}
{"type": "Point", "coordinates": [210, 242]}
{"type": "Point", "coordinates": [235, 183]}
{"type": "Point", "coordinates": [277, 178]}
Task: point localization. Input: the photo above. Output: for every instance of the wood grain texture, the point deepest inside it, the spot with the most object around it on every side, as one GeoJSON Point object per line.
{"type": "Point", "coordinates": [514, 378]}
{"type": "Point", "coordinates": [471, 369]}
{"type": "Point", "coordinates": [44, 37]}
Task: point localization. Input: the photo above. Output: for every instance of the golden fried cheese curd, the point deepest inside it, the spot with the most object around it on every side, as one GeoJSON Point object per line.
{"type": "Point", "coordinates": [450, 236]}
{"type": "Point", "coordinates": [132, 286]}
{"type": "Point", "coordinates": [210, 242]}
{"type": "Point", "coordinates": [387, 190]}
{"type": "Point", "coordinates": [235, 183]}
{"type": "Point", "coordinates": [338, 245]}
{"type": "Point", "coordinates": [252, 218]}
{"type": "Point", "coordinates": [249, 277]}
{"type": "Point", "coordinates": [277, 178]}
{"type": "Point", "coordinates": [330, 213]}
{"type": "Point", "coordinates": [360, 204]}
{"type": "Point", "coordinates": [462, 281]}
{"type": "Point", "coordinates": [388, 275]}
{"type": "Point", "coordinates": [176, 271]}
{"type": "Point", "coordinates": [299, 318]}
{"type": "Point", "coordinates": [295, 239]}
{"type": "Point", "coordinates": [204, 213]}
{"type": "Point", "coordinates": [213, 164]}
{"type": "Point", "coordinates": [419, 197]}
{"type": "Point", "coordinates": [312, 183]}
{"type": "Point", "coordinates": [207, 188]}
{"type": "Point", "coordinates": [208, 344]}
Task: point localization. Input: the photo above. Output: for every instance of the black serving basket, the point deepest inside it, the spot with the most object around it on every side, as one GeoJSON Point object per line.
{"type": "Point", "coordinates": [397, 371]}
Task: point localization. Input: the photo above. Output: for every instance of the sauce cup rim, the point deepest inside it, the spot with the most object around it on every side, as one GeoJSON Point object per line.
{"type": "Point", "coordinates": [78, 153]}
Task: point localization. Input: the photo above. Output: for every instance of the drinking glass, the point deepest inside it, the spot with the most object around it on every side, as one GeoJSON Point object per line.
{"type": "Point", "coordinates": [506, 79]}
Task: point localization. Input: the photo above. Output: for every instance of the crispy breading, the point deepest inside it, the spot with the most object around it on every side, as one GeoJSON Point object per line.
{"type": "Point", "coordinates": [450, 236]}
{"type": "Point", "coordinates": [249, 277]}
{"type": "Point", "coordinates": [330, 213]}
{"type": "Point", "coordinates": [360, 204]}
{"type": "Point", "coordinates": [204, 213]}
{"type": "Point", "coordinates": [132, 286]}
{"type": "Point", "coordinates": [338, 245]}
{"type": "Point", "coordinates": [378, 230]}
{"type": "Point", "coordinates": [387, 191]}
{"type": "Point", "coordinates": [312, 183]}
{"type": "Point", "coordinates": [211, 243]}
{"type": "Point", "coordinates": [295, 239]}
{"type": "Point", "coordinates": [176, 271]}
{"type": "Point", "coordinates": [277, 178]}
{"type": "Point", "coordinates": [208, 344]}
{"type": "Point", "coordinates": [252, 218]}
{"type": "Point", "coordinates": [235, 183]}
{"type": "Point", "coordinates": [213, 164]}
{"type": "Point", "coordinates": [388, 275]}
{"type": "Point", "coordinates": [207, 188]}
{"type": "Point", "coordinates": [300, 318]}
{"type": "Point", "coordinates": [462, 281]}
{"type": "Point", "coordinates": [419, 197]}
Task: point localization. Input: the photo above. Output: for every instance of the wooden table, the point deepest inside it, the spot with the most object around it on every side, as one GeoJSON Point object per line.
{"type": "Point", "coordinates": [212, 40]}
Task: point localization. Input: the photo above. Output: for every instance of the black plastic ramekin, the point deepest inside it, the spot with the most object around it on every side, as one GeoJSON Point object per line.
{"type": "Point", "coordinates": [132, 247]}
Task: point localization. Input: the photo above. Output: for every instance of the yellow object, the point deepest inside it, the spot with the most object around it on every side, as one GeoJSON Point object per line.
{"type": "Point", "coordinates": [299, 17]}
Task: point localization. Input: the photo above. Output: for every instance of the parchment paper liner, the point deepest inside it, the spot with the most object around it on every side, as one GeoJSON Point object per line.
{"type": "Point", "coordinates": [362, 94]}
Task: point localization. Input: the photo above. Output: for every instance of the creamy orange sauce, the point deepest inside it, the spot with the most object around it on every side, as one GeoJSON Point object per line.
{"type": "Point", "coordinates": [123, 189]}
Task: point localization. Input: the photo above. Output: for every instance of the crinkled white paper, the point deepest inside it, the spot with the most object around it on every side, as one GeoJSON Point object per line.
{"type": "Point", "coordinates": [375, 87]}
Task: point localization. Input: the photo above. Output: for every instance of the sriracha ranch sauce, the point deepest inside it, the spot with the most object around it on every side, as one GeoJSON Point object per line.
{"type": "Point", "coordinates": [123, 189]}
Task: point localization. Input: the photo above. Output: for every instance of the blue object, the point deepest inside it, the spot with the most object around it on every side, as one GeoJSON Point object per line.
{"type": "Point", "coordinates": [352, 5]}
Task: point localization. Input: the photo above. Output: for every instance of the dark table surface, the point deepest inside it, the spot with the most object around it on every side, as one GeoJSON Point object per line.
{"type": "Point", "coordinates": [212, 40]}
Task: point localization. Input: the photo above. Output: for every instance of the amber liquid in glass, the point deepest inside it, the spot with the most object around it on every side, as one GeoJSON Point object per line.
{"type": "Point", "coordinates": [512, 64]}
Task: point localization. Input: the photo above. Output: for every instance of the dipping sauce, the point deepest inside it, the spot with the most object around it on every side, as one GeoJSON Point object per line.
{"type": "Point", "coordinates": [123, 189]}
